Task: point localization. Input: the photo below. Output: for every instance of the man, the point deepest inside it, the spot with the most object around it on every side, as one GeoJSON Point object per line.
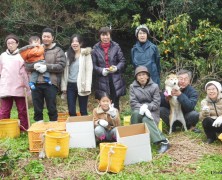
{"type": "Point", "coordinates": [55, 62]}
{"type": "Point", "coordinates": [187, 97]}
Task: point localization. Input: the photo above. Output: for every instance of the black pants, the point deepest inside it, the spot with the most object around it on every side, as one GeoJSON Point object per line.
{"type": "Point", "coordinates": [72, 95]}
{"type": "Point", "coordinates": [113, 96]}
{"type": "Point", "coordinates": [210, 130]}
{"type": "Point", "coordinates": [48, 93]}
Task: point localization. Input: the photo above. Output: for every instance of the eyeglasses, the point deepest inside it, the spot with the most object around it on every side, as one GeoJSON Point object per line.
{"type": "Point", "coordinates": [11, 43]}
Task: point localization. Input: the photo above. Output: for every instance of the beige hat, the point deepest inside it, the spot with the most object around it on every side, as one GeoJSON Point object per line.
{"type": "Point", "coordinates": [144, 27]}
{"type": "Point", "coordinates": [215, 83]}
{"type": "Point", "coordinates": [141, 69]}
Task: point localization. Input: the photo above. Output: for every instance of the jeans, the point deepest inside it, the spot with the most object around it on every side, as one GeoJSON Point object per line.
{"type": "Point", "coordinates": [191, 118]}
{"type": "Point", "coordinates": [105, 134]}
{"type": "Point", "coordinates": [6, 106]}
{"type": "Point", "coordinates": [48, 93]}
{"type": "Point", "coordinates": [72, 95]}
{"type": "Point", "coordinates": [210, 130]}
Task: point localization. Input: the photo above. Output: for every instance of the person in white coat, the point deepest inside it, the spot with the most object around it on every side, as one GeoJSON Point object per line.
{"type": "Point", "coordinates": [77, 76]}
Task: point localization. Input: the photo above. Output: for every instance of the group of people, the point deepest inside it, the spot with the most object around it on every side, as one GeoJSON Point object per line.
{"type": "Point", "coordinates": [51, 69]}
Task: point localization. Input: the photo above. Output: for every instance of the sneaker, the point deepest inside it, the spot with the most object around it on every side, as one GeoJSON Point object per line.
{"type": "Point", "coordinates": [32, 85]}
{"type": "Point", "coordinates": [165, 145]}
{"type": "Point", "coordinates": [210, 141]}
{"type": "Point", "coordinates": [196, 130]}
{"type": "Point", "coordinates": [46, 79]}
{"type": "Point", "coordinates": [40, 121]}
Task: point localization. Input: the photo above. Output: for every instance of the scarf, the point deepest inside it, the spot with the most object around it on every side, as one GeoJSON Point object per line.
{"type": "Point", "coordinates": [106, 47]}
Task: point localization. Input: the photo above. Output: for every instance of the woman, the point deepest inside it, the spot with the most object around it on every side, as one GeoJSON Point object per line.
{"type": "Point", "coordinates": [145, 53]}
{"type": "Point", "coordinates": [77, 76]}
{"type": "Point", "coordinates": [108, 65]}
{"type": "Point", "coordinates": [211, 111]}
{"type": "Point", "coordinates": [13, 81]}
{"type": "Point", "coordinates": [145, 105]}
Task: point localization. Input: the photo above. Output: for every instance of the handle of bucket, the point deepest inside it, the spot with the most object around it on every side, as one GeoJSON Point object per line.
{"type": "Point", "coordinates": [109, 160]}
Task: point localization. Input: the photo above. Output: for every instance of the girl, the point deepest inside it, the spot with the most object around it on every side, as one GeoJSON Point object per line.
{"type": "Point", "coordinates": [106, 119]}
{"type": "Point", "coordinates": [13, 81]}
{"type": "Point", "coordinates": [77, 76]}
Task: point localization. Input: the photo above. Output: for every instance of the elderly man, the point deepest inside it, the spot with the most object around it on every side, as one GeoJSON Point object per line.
{"type": "Point", "coordinates": [55, 62]}
{"type": "Point", "coordinates": [187, 97]}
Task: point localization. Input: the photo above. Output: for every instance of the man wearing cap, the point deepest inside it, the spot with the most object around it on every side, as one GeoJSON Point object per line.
{"type": "Point", "coordinates": [211, 111]}
{"type": "Point", "coordinates": [145, 53]}
{"type": "Point", "coordinates": [187, 97]}
{"type": "Point", "coordinates": [13, 81]}
{"type": "Point", "coordinates": [145, 105]}
{"type": "Point", "coordinates": [55, 62]}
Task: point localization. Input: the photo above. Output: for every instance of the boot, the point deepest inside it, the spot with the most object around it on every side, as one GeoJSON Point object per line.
{"type": "Point", "coordinates": [164, 146]}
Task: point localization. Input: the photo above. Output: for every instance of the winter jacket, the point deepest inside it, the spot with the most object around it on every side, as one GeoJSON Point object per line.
{"type": "Point", "coordinates": [13, 77]}
{"type": "Point", "coordinates": [98, 113]}
{"type": "Point", "coordinates": [116, 58]}
{"type": "Point", "coordinates": [188, 99]}
{"type": "Point", "coordinates": [55, 61]}
{"type": "Point", "coordinates": [149, 94]}
{"type": "Point", "coordinates": [32, 54]}
{"type": "Point", "coordinates": [84, 79]}
{"type": "Point", "coordinates": [147, 55]}
{"type": "Point", "coordinates": [214, 106]}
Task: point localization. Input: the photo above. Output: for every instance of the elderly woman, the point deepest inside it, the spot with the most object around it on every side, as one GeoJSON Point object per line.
{"type": "Point", "coordinates": [145, 53]}
{"type": "Point", "coordinates": [211, 111]}
{"type": "Point", "coordinates": [145, 105]}
{"type": "Point", "coordinates": [109, 65]}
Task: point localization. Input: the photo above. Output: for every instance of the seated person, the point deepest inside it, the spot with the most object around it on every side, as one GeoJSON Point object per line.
{"type": "Point", "coordinates": [187, 97]}
{"type": "Point", "coordinates": [145, 105]}
{"type": "Point", "coordinates": [34, 53]}
{"type": "Point", "coordinates": [106, 118]}
{"type": "Point", "coordinates": [211, 111]}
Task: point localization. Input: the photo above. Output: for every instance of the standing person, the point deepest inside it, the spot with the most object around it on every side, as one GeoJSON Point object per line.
{"type": "Point", "coordinates": [33, 53]}
{"type": "Point", "coordinates": [77, 76]}
{"type": "Point", "coordinates": [145, 53]}
{"type": "Point", "coordinates": [145, 105]}
{"type": "Point", "coordinates": [55, 62]}
{"type": "Point", "coordinates": [13, 81]}
{"type": "Point", "coordinates": [187, 97]}
{"type": "Point", "coordinates": [211, 111]}
{"type": "Point", "coordinates": [109, 65]}
{"type": "Point", "coordinates": [106, 119]}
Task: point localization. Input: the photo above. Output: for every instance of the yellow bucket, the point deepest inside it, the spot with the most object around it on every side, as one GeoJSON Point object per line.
{"type": "Point", "coordinates": [112, 157]}
{"type": "Point", "coordinates": [126, 120]}
{"type": "Point", "coordinates": [9, 128]}
{"type": "Point", "coordinates": [160, 125]}
{"type": "Point", "coordinates": [57, 144]}
{"type": "Point", "coordinates": [220, 136]}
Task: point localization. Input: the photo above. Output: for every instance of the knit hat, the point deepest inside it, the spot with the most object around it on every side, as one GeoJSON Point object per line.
{"type": "Point", "coordinates": [143, 26]}
{"type": "Point", "coordinates": [215, 83]}
{"type": "Point", "coordinates": [12, 36]}
{"type": "Point", "coordinates": [141, 69]}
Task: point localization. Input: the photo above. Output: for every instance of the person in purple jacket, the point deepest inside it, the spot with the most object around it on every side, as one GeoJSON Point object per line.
{"type": "Point", "coordinates": [109, 65]}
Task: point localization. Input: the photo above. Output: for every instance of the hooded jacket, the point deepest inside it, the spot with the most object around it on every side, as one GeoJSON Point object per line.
{"type": "Point", "coordinates": [147, 55]}
{"type": "Point", "coordinates": [84, 78]}
{"type": "Point", "coordinates": [116, 58]}
{"type": "Point", "coordinates": [32, 54]}
{"type": "Point", "coordinates": [13, 77]}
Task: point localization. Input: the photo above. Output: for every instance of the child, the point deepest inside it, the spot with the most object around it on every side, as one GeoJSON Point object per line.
{"type": "Point", "coordinates": [34, 53]}
{"type": "Point", "coordinates": [106, 119]}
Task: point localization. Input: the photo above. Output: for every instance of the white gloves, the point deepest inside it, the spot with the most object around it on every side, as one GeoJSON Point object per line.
{"type": "Point", "coordinates": [64, 96]}
{"type": "Point", "coordinates": [103, 123]}
{"type": "Point", "coordinates": [206, 110]}
{"type": "Point", "coordinates": [37, 65]}
{"type": "Point", "coordinates": [148, 114]}
{"type": "Point", "coordinates": [217, 122]}
{"type": "Point", "coordinates": [112, 69]}
{"type": "Point", "coordinates": [42, 68]}
{"type": "Point", "coordinates": [143, 109]}
{"type": "Point", "coordinates": [105, 72]}
{"type": "Point", "coordinates": [112, 111]}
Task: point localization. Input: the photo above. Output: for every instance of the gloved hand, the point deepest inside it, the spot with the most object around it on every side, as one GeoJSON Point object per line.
{"type": "Point", "coordinates": [217, 122]}
{"type": "Point", "coordinates": [42, 68]}
{"type": "Point", "coordinates": [143, 109]}
{"type": "Point", "coordinates": [103, 123]}
{"type": "Point", "coordinates": [105, 72]}
{"type": "Point", "coordinates": [112, 69]}
{"type": "Point", "coordinates": [148, 114]}
{"type": "Point", "coordinates": [37, 65]}
{"type": "Point", "coordinates": [64, 95]}
{"type": "Point", "coordinates": [112, 111]}
{"type": "Point", "coordinates": [205, 111]}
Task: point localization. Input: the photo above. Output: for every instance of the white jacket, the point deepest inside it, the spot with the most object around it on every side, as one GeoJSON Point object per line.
{"type": "Point", "coordinates": [84, 78]}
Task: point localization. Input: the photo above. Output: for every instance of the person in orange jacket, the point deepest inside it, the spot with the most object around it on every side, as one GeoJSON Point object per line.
{"type": "Point", "coordinates": [34, 53]}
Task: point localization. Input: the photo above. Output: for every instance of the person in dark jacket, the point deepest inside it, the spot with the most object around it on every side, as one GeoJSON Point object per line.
{"type": "Point", "coordinates": [55, 62]}
{"type": "Point", "coordinates": [187, 97]}
{"type": "Point", "coordinates": [145, 105]}
{"type": "Point", "coordinates": [109, 65]}
{"type": "Point", "coordinates": [145, 53]}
